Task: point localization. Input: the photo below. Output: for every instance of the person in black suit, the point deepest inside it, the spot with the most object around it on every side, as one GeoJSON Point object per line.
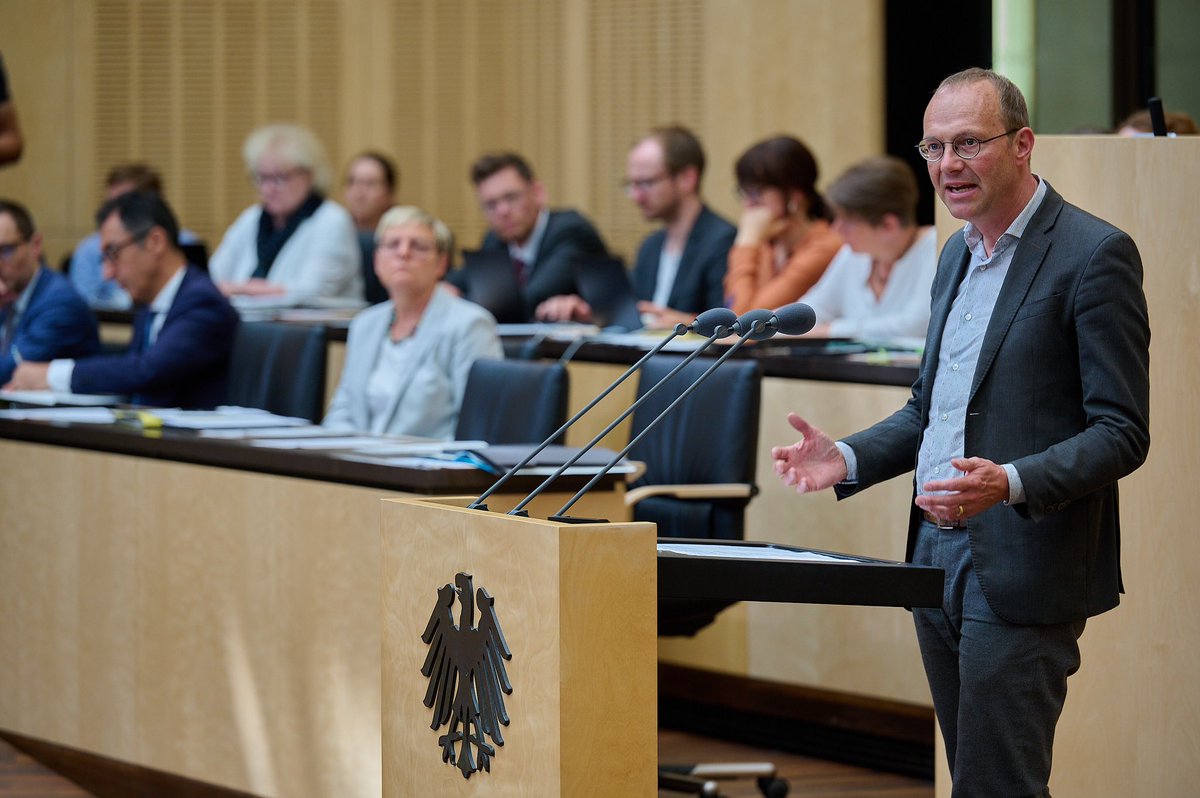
{"type": "Point", "coordinates": [543, 244]}
{"type": "Point", "coordinates": [680, 269]}
{"type": "Point", "coordinates": [184, 328]}
{"type": "Point", "coordinates": [1033, 400]}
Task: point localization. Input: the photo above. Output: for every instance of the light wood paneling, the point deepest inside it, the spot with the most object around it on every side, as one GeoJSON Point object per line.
{"type": "Point", "coordinates": [576, 604]}
{"type": "Point", "coordinates": [217, 624]}
{"type": "Point", "coordinates": [571, 85]}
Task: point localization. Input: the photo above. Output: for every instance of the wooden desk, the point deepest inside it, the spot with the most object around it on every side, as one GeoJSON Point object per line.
{"type": "Point", "coordinates": [201, 608]}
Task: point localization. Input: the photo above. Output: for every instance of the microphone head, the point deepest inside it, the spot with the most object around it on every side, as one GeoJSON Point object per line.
{"type": "Point", "coordinates": [795, 319]}
{"type": "Point", "coordinates": [746, 323]}
{"type": "Point", "coordinates": [710, 321]}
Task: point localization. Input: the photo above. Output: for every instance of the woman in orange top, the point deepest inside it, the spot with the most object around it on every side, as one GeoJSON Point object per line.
{"type": "Point", "coordinates": [784, 241]}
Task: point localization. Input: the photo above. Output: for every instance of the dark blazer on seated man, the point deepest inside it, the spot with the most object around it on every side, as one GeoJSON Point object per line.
{"type": "Point", "coordinates": [54, 322]}
{"type": "Point", "coordinates": [184, 328]}
{"type": "Point", "coordinates": [700, 282]}
{"type": "Point", "coordinates": [542, 244]}
{"type": "Point", "coordinates": [187, 365]}
{"type": "Point", "coordinates": [567, 236]}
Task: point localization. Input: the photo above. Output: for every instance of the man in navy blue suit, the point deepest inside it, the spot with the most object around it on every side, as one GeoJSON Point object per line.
{"type": "Point", "coordinates": [184, 329]}
{"type": "Point", "coordinates": [41, 316]}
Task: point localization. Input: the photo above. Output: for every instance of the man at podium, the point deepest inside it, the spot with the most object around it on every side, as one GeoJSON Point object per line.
{"type": "Point", "coordinates": [1031, 402]}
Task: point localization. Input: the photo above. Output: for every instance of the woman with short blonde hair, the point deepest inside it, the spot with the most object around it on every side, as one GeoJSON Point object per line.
{"type": "Point", "coordinates": [294, 241]}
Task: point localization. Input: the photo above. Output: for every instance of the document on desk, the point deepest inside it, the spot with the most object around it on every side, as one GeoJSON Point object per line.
{"type": "Point", "coordinates": [61, 399]}
{"type": "Point", "coordinates": [341, 441]}
{"type": "Point", "coordinates": [421, 463]}
{"type": "Point", "coordinates": [74, 415]}
{"type": "Point", "coordinates": [648, 340]}
{"type": "Point", "coordinates": [736, 552]}
{"type": "Point", "coordinates": [563, 331]}
{"type": "Point", "coordinates": [305, 431]}
{"type": "Point", "coordinates": [226, 418]}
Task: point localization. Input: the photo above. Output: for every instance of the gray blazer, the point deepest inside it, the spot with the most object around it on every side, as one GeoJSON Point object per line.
{"type": "Point", "coordinates": [451, 335]}
{"type": "Point", "coordinates": [1061, 391]}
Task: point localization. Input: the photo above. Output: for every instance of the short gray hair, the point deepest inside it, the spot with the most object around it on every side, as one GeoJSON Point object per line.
{"type": "Point", "coordinates": [295, 145]}
{"type": "Point", "coordinates": [1013, 111]}
{"type": "Point", "coordinates": [399, 215]}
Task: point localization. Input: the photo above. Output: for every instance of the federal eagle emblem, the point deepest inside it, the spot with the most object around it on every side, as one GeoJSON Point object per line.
{"type": "Point", "coordinates": [467, 679]}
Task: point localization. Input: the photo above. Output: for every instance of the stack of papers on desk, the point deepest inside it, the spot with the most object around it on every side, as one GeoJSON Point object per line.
{"type": "Point", "coordinates": [74, 415]}
{"type": "Point", "coordinates": [225, 418]}
{"type": "Point", "coordinates": [651, 339]}
{"type": "Point", "coordinates": [266, 308]}
{"type": "Point", "coordinates": [57, 399]}
{"type": "Point", "coordinates": [559, 331]}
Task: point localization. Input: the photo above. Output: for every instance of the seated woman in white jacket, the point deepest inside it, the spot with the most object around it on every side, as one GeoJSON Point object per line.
{"type": "Point", "coordinates": [877, 286]}
{"type": "Point", "coordinates": [294, 241]}
{"type": "Point", "coordinates": [407, 359]}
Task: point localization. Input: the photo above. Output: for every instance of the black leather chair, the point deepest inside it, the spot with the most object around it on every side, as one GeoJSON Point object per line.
{"type": "Point", "coordinates": [513, 401]}
{"type": "Point", "coordinates": [280, 368]}
{"type": "Point", "coordinates": [700, 470]}
{"type": "Point", "coordinates": [700, 462]}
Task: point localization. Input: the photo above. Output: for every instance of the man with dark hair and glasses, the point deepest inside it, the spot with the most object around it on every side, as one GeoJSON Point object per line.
{"type": "Point", "coordinates": [1032, 401]}
{"type": "Point", "coordinates": [184, 328]}
{"type": "Point", "coordinates": [543, 244]}
{"type": "Point", "coordinates": [41, 316]}
{"type": "Point", "coordinates": [680, 268]}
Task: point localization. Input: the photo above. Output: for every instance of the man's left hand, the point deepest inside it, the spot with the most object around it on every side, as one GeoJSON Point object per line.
{"type": "Point", "coordinates": [29, 377]}
{"type": "Point", "coordinates": [982, 484]}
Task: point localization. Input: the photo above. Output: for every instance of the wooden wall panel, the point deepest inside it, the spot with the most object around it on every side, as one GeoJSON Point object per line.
{"type": "Point", "coordinates": [646, 71]}
{"type": "Point", "coordinates": [570, 84]}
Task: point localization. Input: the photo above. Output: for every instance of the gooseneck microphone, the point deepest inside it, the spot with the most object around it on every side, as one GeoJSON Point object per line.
{"type": "Point", "coordinates": [755, 325]}
{"type": "Point", "coordinates": [794, 319]}
{"type": "Point", "coordinates": [712, 324]}
{"type": "Point", "coordinates": [721, 331]}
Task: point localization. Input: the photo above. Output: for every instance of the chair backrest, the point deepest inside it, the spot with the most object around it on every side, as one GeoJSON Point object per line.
{"type": "Point", "coordinates": [280, 368]}
{"type": "Point", "coordinates": [513, 401]}
{"type": "Point", "coordinates": [605, 285]}
{"type": "Point", "coordinates": [711, 437]}
{"type": "Point", "coordinates": [492, 285]}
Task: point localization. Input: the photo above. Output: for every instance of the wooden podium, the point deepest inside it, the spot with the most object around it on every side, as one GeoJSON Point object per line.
{"type": "Point", "coordinates": [577, 607]}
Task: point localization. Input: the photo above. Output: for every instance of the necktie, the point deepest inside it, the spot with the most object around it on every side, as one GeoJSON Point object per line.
{"type": "Point", "coordinates": [520, 271]}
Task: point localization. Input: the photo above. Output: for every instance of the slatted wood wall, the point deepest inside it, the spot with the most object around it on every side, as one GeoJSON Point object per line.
{"type": "Point", "coordinates": [569, 83]}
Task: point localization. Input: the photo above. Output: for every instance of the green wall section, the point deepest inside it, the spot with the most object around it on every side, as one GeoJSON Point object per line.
{"type": "Point", "coordinates": [1074, 66]}
{"type": "Point", "coordinates": [1178, 33]}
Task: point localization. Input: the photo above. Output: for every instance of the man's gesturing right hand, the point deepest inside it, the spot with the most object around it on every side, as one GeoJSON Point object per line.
{"type": "Point", "coordinates": [812, 463]}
